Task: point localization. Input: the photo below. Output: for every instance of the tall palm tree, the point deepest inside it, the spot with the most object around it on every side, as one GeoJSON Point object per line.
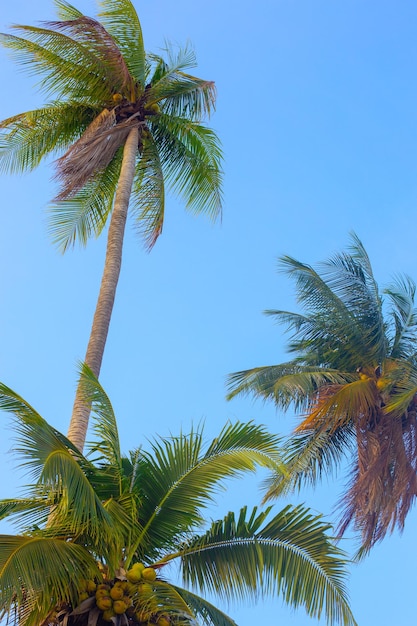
{"type": "Point", "coordinates": [353, 381]}
{"type": "Point", "coordinates": [119, 521]}
{"type": "Point", "coordinates": [126, 124]}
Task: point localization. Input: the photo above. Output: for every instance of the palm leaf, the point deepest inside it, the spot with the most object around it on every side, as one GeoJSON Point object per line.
{"type": "Point", "coordinates": [178, 479]}
{"type": "Point", "coordinates": [191, 158]}
{"type": "Point", "coordinates": [68, 68]}
{"type": "Point", "coordinates": [122, 22]}
{"type": "Point", "coordinates": [290, 556]}
{"type": "Point", "coordinates": [209, 614]}
{"type": "Point", "coordinates": [148, 193]}
{"type": "Point", "coordinates": [27, 562]}
{"type": "Point", "coordinates": [85, 214]}
{"type": "Point", "coordinates": [30, 136]}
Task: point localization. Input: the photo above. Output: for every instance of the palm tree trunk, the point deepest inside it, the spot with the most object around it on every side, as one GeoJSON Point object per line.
{"type": "Point", "coordinates": [81, 410]}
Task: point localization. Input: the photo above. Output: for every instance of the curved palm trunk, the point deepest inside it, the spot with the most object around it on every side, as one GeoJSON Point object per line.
{"type": "Point", "coordinates": [81, 411]}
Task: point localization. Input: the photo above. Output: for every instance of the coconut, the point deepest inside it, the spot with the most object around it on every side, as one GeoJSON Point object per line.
{"type": "Point", "coordinates": [119, 607]}
{"type": "Point", "coordinates": [104, 603]}
{"type": "Point", "coordinates": [149, 574]}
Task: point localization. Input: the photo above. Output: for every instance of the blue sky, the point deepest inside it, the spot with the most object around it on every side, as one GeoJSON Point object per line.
{"type": "Point", "coordinates": [317, 115]}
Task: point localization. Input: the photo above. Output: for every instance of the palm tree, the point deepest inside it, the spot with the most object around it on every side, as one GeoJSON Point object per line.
{"type": "Point", "coordinates": [353, 381]}
{"type": "Point", "coordinates": [126, 124]}
{"type": "Point", "coordinates": [119, 521]}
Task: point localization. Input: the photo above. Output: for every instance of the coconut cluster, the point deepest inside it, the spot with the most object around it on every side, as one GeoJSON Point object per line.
{"type": "Point", "coordinates": [132, 595]}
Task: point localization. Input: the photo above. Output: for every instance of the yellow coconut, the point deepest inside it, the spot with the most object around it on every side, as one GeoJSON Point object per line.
{"type": "Point", "coordinates": [116, 592]}
{"type": "Point", "coordinates": [163, 620]}
{"type": "Point", "coordinates": [119, 607]}
{"type": "Point", "coordinates": [149, 574]}
{"type": "Point", "coordinates": [104, 603]}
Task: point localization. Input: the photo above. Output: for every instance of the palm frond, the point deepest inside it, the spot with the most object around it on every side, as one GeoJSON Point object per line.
{"type": "Point", "coordinates": [107, 444]}
{"type": "Point", "coordinates": [66, 11]}
{"type": "Point", "coordinates": [401, 295]}
{"type": "Point", "coordinates": [148, 193]}
{"type": "Point", "coordinates": [308, 455]}
{"type": "Point", "coordinates": [68, 69]}
{"type": "Point", "coordinates": [94, 37]}
{"type": "Point", "coordinates": [191, 158]}
{"type": "Point", "coordinates": [27, 562]}
{"type": "Point", "coordinates": [291, 555]}
{"type": "Point", "coordinates": [183, 95]}
{"type": "Point", "coordinates": [121, 20]}
{"type": "Point", "coordinates": [287, 384]}
{"type": "Point", "coordinates": [85, 214]}
{"type": "Point", "coordinates": [179, 479]}
{"type": "Point", "coordinates": [30, 136]}
{"type": "Point", "coordinates": [209, 614]}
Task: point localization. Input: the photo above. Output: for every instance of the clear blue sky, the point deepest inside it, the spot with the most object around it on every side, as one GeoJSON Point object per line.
{"type": "Point", "coordinates": [317, 112]}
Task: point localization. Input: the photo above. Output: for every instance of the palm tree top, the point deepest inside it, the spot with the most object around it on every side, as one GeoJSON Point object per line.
{"type": "Point", "coordinates": [103, 516]}
{"type": "Point", "coordinates": [353, 382]}
{"type": "Point", "coordinates": [100, 83]}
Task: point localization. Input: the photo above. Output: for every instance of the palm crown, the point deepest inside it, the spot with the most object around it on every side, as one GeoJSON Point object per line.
{"type": "Point", "coordinates": [104, 85]}
{"type": "Point", "coordinates": [128, 123]}
{"type": "Point", "coordinates": [89, 526]}
{"type": "Point", "coordinates": [353, 381]}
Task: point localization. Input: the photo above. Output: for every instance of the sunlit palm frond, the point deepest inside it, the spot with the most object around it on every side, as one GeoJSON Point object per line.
{"type": "Point", "coordinates": [238, 560]}
{"type": "Point", "coordinates": [30, 136]}
{"type": "Point", "coordinates": [287, 384]}
{"type": "Point", "coordinates": [66, 11]}
{"type": "Point", "coordinates": [339, 405]}
{"type": "Point", "coordinates": [27, 562]}
{"type": "Point", "coordinates": [179, 478]}
{"type": "Point", "coordinates": [107, 444]}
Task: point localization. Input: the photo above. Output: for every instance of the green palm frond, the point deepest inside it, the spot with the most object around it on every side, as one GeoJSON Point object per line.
{"type": "Point", "coordinates": [67, 67]}
{"type": "Point", "coordinates": [47, 454]}
{"type": "Point", "coordinates": [94, 37]}
{"type": "Point", "coordinates": [238, 560]}
{"type": "Point", "coordinates": [66, 11]}
{"type": "Point", "coordinates": [93, 519]}
{"type": "Point", "coordinates": [148, 193]}
{"type": "Point", "coordinates": [179, 478]}
{"type": "Point", "coordinates": [27, 562]}
{"type": "Point", "coordinates": [107, 444]}
{"type": "Point", "coordinates": [27, 513]}
{"type": "Point", "coordinates": [28, 137]}
{"type": "Point", "coordinates": [121, 20]}
{"type": "Point", "coordinates": [308, 457]}
{"type": "Point", "coordinates": [287, 384]}
{"type": "Point", "coordinates": [401, 295]}
{"type": "Point", "coordinates": [209, 614]}
{"type": "Point", "coordinates": [182, 93]}
{"type": "Point", "coordinates": [85, 214]}
{"type": "Point", "coordinates": [191, 156]}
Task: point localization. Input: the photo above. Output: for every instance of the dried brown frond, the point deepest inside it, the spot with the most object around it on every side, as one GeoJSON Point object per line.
{"type": "Point", "coordinates": [95, 37]}
{"type": "Point", "coordinates": [91, 153]}
{"type": "Point", "coordinates": [384, 482]}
